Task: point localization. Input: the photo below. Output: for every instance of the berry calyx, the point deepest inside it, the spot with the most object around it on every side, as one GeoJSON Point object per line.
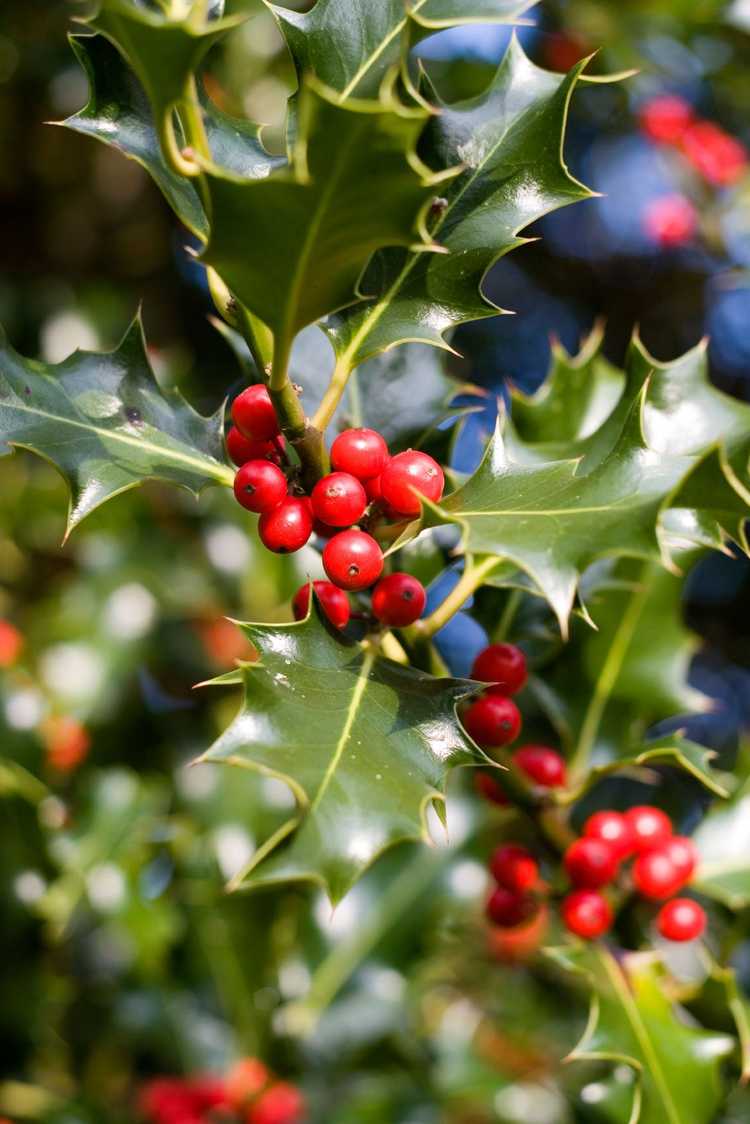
{"type": "Point", "coordinates": [492, 721]}
{"type": "Point", "coordinates": [591, 863]}
{"type": "Point", "coordinates": [515, 868]}
{"type": "Point", "coordinates": [682, 919]}
{"type": "Point", "coordinates": [254, 415]}
{"type": "Point", "coordinates": [333, 601]}
{"type": "Point", "coordinates": [361, 452]}
{"type": "Point", "coordinates": [508, 909]}
{"type": "Point", "coordinates": [242, 449]}
{"type": "Point", "coordinates": [655, 876]}
{"type": "Point", "coordinates": [542, 765]}
{"type": "Point", "coordinates": [338, 500]}
{"type": "Point", "coordinates": [259, 486]}
{"type": "Point", "coordinates": [488, 787]}
{"type": "Point", "coordinates": [282, 1103]}
{"type": "Point", "coordinates": [288, 527]}
{"type": "Point", "coordinates": [683, 854]}
{"type": "Point", "coordinates": [398, 600]}
{"type": "Point", "coordinates": [353, 560]}
{"type": "Point", "coordinates": [409, 476]}
{"type": "Point", "coordinates": [503, 666]}
{"type": "Point", "coordinates": [614, 829]}
{"type": "Point", "coordinates": [587, 914]}
{"type": "Point", "coordinates": [650, 826]}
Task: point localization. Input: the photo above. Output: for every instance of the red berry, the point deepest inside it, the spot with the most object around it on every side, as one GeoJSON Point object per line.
{"type": "Point", "coordinates": [374, 489]}
{"type": "Point", "coordinates": [353, 560]}
{"type": "Point", "coordinates": [541, 764]}
{"type": "Point", "coordinates": [682, 919]}
{"type": "Point", "coordinates": [670, 220]}
{"type": "Point", "coordinates": [665, 118]}
{"type": "Point", "coordinates": [587, 913]}
{"type": "Point", "coordinates": [242, 449]}
{"type": "Point", "coordinates": [254, 415]}
{"type": "Point", "coordinates": [398, 600]}
{"type": "Point", "coordinates": [502, 665]}
{"type": "Point", "coordinates": [339, 500]}
{"type": "Point", "coordinates": [684, 856]}
{"type": "Point", "coordinates": [362, 452]}
{"type": "Point", "coordinates": [720, 158]}
{"type": "Point", "coordinates": [655, 875]}
{"type": "Point", "coordinates": [508, 909]}
{"type": "Point", "coordinates": [407, 477]}
{"type": "Point", "coordinates": [614, 829]}
{"type": "Point", "coordinates": [11, 643]}
{"type": "Point", "coordinates": [282, 1103]}
{"type": "Point", "coordinates": [334, 602]}
{"type": "Point", "coordinates": [245, 1080]}
{"type": "Point", "coordinates": [259, 486]}
{"type": "Point", "coordinates": [515, 868]}
{"type": "Point", "coordinates": [492, 720]}
{"type": "Point", "coordinates": [650, 826]}
{"type": "Point", "coordinates": [591, 863]}
{"type": "Point", "coordinates": [288, 527]}
{"type": "Point", "coordinates": [489, 788]}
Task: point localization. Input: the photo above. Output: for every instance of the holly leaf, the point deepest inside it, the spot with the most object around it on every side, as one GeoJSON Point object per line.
{"type": "Point", "coordinates": [364, 743]}
{"type": "Point", "coordinates": [165, 52]}
{"type": "Point", "coordinates": [673, 749]}
{"type": "Point", "coordinates": [278, 242]}
{"type": "Point", "coordinates": [104, 422]}
{"type": "Point", "coordinates": [508, 142]}
{"type": "Point", "coordinates": [676, 1067]}
{"type": "Point", "coordinates": [350, 45]}
{"type": "Point", "coordinates": [118, 114]}
{"type": "Point", "coordinates": [723, 842]}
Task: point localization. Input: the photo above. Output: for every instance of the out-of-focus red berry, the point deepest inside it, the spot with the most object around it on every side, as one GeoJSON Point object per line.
{"type": "Point", "coordinates": [721, 159]}
{"type": "Point", "coordinates": [245, 1081]}
{"type": "Point", "coordinates": [613, 828]}
{"type": "Point", "coordinates": [591, 863]}
{"type": "Point", "coordinates": [682, 919]}
{"type": "Point", "coordinates": [514, 867]}
{"type": "Point", "coordinates": [563, 49]}
{"type": "Point", "coordinates": [281, 1103]}
{"type": "Point", "coordinates": [507, 909]}
{"type": "Point", "coordinates": [224, 642]}
{"type": "Point", "coordinates": [520, 943]}
{"type": "Point", "coordinates": [665, 118]}
{"type": "Point", "coordinates": [490, 789]}
{"type": "Point", "coordinates": [541, 764]}
{"type": "Point", "coordinates": [11, 643]}
{"type": "Point", "coordinates": [66, 742]}
{"type": "Point", "coordinates": [503, 666]}
{"type": "Point", "coordinates": [670, 220]}
{"type": "Point", "coordinates": [655, 876]}
{"type": "Point", "coordinates": [587, 913]}
{"type": "Point", "coordinates": [650, 826]}
{"type": "Point", "coordinates": [683, 854]}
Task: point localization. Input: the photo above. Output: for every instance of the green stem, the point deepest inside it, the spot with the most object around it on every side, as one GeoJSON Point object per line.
{"type": "Point", "coordinates": [471, 579]}
{"type": "Point", "coordinates": [330, 401]}
{"type": "Point", "coordinates": [305, 438]}
{"type": "Point", "coordinates": [608, 674]}
{"type": "Point", "coordinates": [512, 606]}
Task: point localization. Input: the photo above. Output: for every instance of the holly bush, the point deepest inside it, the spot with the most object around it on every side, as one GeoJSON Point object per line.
{"type": "Point", "coordinates": [403, 940]}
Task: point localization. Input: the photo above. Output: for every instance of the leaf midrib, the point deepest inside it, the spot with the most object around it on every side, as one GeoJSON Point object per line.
{"type": "Point", "coordinates": [375, 55]}
{"type": "Point", "coordinates": [207, 466]}
{"type": "Point", "coordinates": [640, 1031]}
{"type": "Point", "coordinates": [357, 695]}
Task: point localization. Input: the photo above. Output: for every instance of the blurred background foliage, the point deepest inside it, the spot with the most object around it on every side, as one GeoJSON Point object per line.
{"type": "Point", "coordinates": [121, 956]}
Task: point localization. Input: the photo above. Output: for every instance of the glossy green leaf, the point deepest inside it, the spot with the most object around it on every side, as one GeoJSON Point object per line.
{"type": "Point", "coordinates": [365, 745]}
{"type": "Point", "coordinates": [351, 44]}
{"type": "Point", "coordinates": [723, 842]}
{"type": "Point", "coordinates": [118, 113]}
{"type": "Point", "coordinates": [676, 1067]}
{"type": "Point", "coordinates": [293, 246]}
{"type": "Point", "coordinates": [508, 142]}
{"type": "Point", "coordinates": [164, 51]}
{"type": "Point", "coordinates": [673, 749]}
{"type": "Point", "coordinates": [106, 424]}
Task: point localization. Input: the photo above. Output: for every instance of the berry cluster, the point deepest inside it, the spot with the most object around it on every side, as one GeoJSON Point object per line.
{"type": "Point", "coordinates": [366, 488]}
{"type": "Point", "coordinates": [493, 720]}
{"type": "Point", "coordinates": [249, 1093]}
{"type": "Point", "coordinates": [663, 863]}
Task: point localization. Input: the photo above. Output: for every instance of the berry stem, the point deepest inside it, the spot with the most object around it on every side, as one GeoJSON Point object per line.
{"type": "Point", "coordinates": [471, 579]}
{"type": "Point", "coordinates": [333, 395]}
{"type": "Point", "coordinates": [305, 438]}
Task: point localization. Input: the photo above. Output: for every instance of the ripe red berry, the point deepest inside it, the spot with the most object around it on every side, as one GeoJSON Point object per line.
{"type": "Point", "coordinates": [682, 919]}
{"type": "Point", "coordinates": [508, 909]}
{"type": "Point", "coordinates": [515, 868]}
{"type": "Point", "coordinates": [244, 1081]}
{"type": "Point", "coordinates": [501, 665]}
{"type": "Point", "coordinates": [650, 826]}
{"type": "Point", "coordinates": [683, 854]}
{"type": "Point", "coordinates": [398, 600]}
{"type": "Point", "coordinates": [489, 788]}
{"type": "Point", "coordinates": [407, 477]}
{"type": "Point", "coordinates": [282, 1103]}
{"type": "Point", "coordinates": [591, 863]}
{"type": "Point", "coordinates": [670, 220]}
{"type": "Point", "coordinates": [362, 452]}
{"type": "Point", "coordinates": [541, 764]}
{"type": "Point", "coordinates": [254, 415]}
{"type": "Point", "coordinates": [613, 828]}
{"type": "Point", "coordinates": [353, 560]}
{"type": "Point", "coordinates": [259, 486]}
{"type": "Point", "coordinates": [587, 913]}
{"type": "Point", "coordinates": [720, 158]}
{"type": "Point", "coordinates": [655, 875]}
{"type": "Point", "coordinates": [492, 720]}
{"type": "Point", "coordinates": [665, 118]}
{"type": "Point", "coordinates": [339, 500]}
{"type": "Point", "coordinates": [374, 489]}
{"type": "Point", "coordinates": [334, 602]}
{"type": "Point", "coordinates": [242, 449]}
{"type": "Point", "coordinates": [288, 527]}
